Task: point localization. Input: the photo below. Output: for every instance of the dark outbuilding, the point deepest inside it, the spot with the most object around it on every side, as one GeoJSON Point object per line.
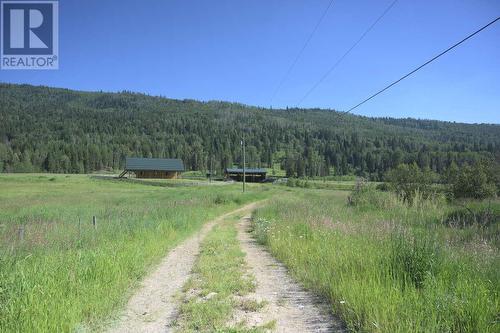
{"type": "Point", "coordinates": [251, 175]}
{"type": "Point", "coordinates": [165, 168]}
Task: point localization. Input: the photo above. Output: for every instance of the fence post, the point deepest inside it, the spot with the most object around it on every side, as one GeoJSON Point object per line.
{"type": "Point", "coordinates": [21, 233]}
{"type": "Point", "coordinates": [94, 222]}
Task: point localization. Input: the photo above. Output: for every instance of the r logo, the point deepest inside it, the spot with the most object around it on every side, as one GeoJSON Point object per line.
{"type": "Point", "coordinates": [29, 28]}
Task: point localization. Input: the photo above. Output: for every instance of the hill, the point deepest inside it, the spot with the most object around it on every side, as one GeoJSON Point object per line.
{"type": "Point", "coordinates": [65, 131]}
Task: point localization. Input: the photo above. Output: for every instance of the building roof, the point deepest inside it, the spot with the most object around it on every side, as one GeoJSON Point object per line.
{"type": "Point", "coordinates": [250, 170]}
{"type": "Point", "coordinates": [157, 164]}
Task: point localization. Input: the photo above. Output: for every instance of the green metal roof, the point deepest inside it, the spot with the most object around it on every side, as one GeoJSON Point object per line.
{"type": "Point", "coordinates": [148, 164]}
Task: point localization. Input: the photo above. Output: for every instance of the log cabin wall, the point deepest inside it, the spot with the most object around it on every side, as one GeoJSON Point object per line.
{"type": "Point", "coordinates": [157, 174]}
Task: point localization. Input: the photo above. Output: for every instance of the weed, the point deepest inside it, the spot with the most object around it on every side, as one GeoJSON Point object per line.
{"type": "Point", "coordinates": [251, 305]}
{"type": "Point", "coordinates": [220, 199]}
{"type": "Point", "coordinates": [414, 258]}
{"type": "Point", "coordinates": [480, 215]}
{"type": "Point", "coordinates": [261, 228]}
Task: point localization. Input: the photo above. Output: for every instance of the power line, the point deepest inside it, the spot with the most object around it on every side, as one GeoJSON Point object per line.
{"type": "Point", "coordinates": [330, 70]}
{"type": "Point", "coordinates": [292, 66]}
{"type": "Point", "coordinates": [426, 63]}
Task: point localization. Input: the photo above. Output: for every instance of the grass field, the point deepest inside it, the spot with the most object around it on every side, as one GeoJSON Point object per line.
{"type": "Point", "coordinates": [339, 185]}
{"type": "Point", "coordinates": [387, 267]}
{"type": "Point", "coordinates": [384, 266]}
{"type": "Point", "coordinates": [59, 273]}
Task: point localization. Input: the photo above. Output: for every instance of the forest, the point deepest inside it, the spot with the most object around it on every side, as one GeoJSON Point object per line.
{"type": "Point", "coordinates": [56, 130]}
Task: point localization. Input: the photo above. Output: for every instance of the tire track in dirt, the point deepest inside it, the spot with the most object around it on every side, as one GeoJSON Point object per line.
{"type": "Point", "coordinates": [293, 308]}
{"type": "Point", "coordinates": [153, 307]}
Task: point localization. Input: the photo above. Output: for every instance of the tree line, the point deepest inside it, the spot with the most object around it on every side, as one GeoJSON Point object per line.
{"type": "Point", "coordinates": [58, 130]}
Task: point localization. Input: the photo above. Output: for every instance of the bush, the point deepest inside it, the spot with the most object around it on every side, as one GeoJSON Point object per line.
{"type": "Point", "coordinates": [367, 196]}
{"type": "Point", "coordinates": [476, 181]}
{"type": "Point", "coordinates": [408, 179]}
{"type": "Point", "coordinates": [362, 194]}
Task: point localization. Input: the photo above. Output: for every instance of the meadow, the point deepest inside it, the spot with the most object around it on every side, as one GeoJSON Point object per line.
{"type": "Point", "coordinates": [383, 265]}
{"type": "Point", "coordinates": [59, 272]}
{"type": "Point", "coordinates": [386, 266]}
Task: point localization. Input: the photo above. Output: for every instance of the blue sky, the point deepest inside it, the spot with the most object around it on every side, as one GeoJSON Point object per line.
{"type": "Point", "coordinates": [238, 51]}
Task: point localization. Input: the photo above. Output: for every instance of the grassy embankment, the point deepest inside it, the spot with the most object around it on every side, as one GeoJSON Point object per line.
{"type": "Point", "coordinates": [388, 267]}
{"type": "Point", "coordinates": [61, 273]}
{"type": "Point", "coordinates": [220, 276]}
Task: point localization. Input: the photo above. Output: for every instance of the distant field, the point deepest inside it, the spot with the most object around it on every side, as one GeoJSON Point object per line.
{"type": "Point", "coordinates": [342, 185]}
{"type": "Point", "coordinates": [182, 182]}
{"type": "Point", "coordinates": [388, 267]}
{"type": "Point", "coordinates": [59, 273]}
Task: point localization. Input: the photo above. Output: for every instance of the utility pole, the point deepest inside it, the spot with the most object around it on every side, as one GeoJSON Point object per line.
{"type": "Point", "coordinates": [211, 169]}
{"type": "Point", "coordinates": [244, 175]}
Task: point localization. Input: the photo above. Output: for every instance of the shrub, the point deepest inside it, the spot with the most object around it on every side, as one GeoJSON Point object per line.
{"type": "Point", "coordinates": [363, 195]}
{"type": "Point", "coordinates": [408, 179]}
{"type": "Point", "coordinates": [476, 181]}
{"type": "Point", "coordinates": [367, 196]}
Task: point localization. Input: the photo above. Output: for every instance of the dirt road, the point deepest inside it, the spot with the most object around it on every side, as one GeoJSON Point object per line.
{"type": "Point", "coordinates": [153, 307]}
{"type": "Point", "coordinates": [288, 304]}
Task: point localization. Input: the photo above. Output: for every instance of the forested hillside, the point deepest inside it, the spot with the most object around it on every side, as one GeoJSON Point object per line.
{"type": "Point", "coordinates": [59, 130]}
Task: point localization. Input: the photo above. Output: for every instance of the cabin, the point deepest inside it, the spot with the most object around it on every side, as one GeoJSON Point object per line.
{"type": "Point", "coordinates": [163, 168]}
{"type": "Point", "coordinates": [255, 175]}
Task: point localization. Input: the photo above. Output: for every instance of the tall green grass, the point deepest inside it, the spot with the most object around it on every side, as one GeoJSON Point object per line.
{"type": "Point", "coordinates": [324, 184]}
{"type": "Point", "coordinates": [385, 266]}
{"type": "Point", "coordinates": [66, 275]}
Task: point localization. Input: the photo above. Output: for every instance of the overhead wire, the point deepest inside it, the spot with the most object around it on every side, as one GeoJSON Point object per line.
{"type": "Point", "coordinates": [332, 68]}
{"type": "Point", "coordinates": [424, 64]}
{"type": "Point", "coordinates": [304, 46]}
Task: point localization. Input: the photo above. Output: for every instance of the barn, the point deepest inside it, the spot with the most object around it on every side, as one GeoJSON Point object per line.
{"type": "Point", "coordinates": [251, 175]}
{"type": "Point", "coordinates": [164, 168]}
